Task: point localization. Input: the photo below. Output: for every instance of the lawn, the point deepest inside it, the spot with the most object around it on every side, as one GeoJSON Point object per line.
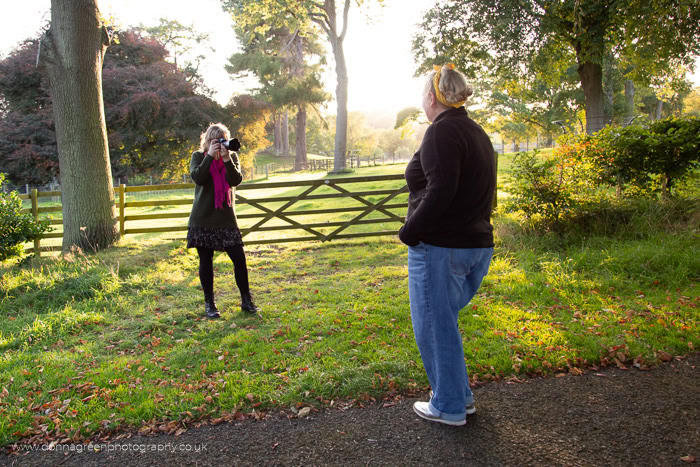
{"type": "Point", "coordinates": [95, 344]}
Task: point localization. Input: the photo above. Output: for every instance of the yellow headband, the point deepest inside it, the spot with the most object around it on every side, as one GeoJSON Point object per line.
{"type": "Point", "coordinates": [436, 86]}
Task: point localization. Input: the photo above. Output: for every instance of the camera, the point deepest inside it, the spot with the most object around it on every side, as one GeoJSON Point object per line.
{"type": "Point", "coordinates": [231, 145]}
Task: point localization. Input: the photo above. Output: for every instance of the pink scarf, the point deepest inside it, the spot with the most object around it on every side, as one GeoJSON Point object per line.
{"type": "Point", "coordinates": [222, 190]}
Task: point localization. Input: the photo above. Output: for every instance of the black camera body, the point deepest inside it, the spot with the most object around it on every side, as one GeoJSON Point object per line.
{"type": "Point", "coordinates": [231, 145]}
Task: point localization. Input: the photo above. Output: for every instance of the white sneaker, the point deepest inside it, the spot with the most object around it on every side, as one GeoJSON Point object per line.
{"type": "Point", "coordinates": [423, 410]}
{"type": "Point", "coordinates": [470, 408]}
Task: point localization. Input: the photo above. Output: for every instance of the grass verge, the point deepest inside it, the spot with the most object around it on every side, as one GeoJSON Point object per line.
{"type": "Point", "coordinates": [95, 344]}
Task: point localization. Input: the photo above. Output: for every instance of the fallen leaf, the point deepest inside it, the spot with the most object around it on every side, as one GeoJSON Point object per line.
{"type": "Point", "coordinates": [665, 357]}
{"type": "Point", "coordinates": [688, 459]}
{"type": "Point", "coordinates": [304, 412]}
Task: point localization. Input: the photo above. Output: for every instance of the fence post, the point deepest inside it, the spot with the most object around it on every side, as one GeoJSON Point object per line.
{"type": "Point", "coordinates": [35, 213]}
{"type": "Point", "coordinates": [122, 199]}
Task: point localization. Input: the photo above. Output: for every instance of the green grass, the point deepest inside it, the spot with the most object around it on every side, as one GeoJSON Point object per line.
{"type": "Point", "coordinates": [116, 340]}
{"type": "Point", "coordinates": [264, 158]}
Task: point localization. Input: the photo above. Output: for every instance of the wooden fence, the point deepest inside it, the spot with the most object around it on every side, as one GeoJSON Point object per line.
{"type": "Point", "coordinates": [311, 191]}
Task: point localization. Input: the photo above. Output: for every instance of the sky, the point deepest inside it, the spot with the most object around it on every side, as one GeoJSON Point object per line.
{"type": "Point", "coordinates": [377, 46]}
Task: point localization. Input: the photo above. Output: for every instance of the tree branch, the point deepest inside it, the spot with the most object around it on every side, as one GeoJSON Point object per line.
{"type": "Point", "coordinates": [316, 17]}
{"type": "Point", "coordinates": [346, 9]}
{"type": "Point", "coordinates": [294, 36]}
{"type": "Point", "coordinates": [323, 25]}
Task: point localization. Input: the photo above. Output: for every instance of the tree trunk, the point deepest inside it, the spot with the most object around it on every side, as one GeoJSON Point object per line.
{"type": "Point", "coordinates": [629, 101]}
{"type": "Point", "coordinates": [330, 26]}
{"type": "Point", "coordinates": [75, 46]}
{"type": "Point", "coordinates": [341, 125]}
{"type": "Point", "coordinates": [591, 75]}
{"type": "Point", "coordinates": [659, 108]}
{"type": "Point", "coordinates": [278, 134]}
{"type": "Point", "coordinates": [665, 186]}
{"type": "Point", "coordinates": [609, 90]}
{"type": "Point", "coordinates": [285, 133]}
{"type": "Point", "coordinates": [301, 161]}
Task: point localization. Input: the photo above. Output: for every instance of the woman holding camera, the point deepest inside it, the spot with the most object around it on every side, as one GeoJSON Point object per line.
{"type": "Point", "coordinates": [212, 225]}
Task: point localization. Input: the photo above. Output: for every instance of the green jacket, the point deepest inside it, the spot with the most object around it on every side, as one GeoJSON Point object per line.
{"type": "Point", "coordinates": [204, 214]}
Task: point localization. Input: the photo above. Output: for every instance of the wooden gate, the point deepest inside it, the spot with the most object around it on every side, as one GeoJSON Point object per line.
{"type": "Point", "coordinates": [331, 199]}
{"type": "Point", "coordinates": [313, 192]}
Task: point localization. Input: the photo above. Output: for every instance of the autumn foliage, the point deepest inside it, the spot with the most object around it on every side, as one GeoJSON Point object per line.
{"type": "Point", "coordinates": [153, 110]}
{"type": "Point", "coordinates": [588, 176]}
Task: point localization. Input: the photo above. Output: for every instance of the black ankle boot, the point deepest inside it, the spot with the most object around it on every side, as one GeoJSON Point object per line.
{"type": "Point", "coordinates": [210, 310]}
{"type": "Point", "coordinates": [247, 304]}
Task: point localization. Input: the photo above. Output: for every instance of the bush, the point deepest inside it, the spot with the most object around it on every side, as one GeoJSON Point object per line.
{"type": "Point", "coordinates": [573, 189]}
{"type": "Point", "coordinates": [674, 149]}
{"type": "Point", "coordinates": [16, 227]}
{"type": "Point", "coordinates": [549, 190]}
{"type": "Point", "coordinates": [619, 157]}
{"type": "Point", "coordinates": [643, 161]}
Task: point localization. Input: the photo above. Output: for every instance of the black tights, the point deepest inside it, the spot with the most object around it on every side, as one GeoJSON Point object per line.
{"type": "Point", "coordinates": [206, 270]}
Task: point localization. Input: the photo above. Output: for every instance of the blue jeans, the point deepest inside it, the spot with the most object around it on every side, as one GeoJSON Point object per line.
{"type": "Point", "coordinates": [442, 281]}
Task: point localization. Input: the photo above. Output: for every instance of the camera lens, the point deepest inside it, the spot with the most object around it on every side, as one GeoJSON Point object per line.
{"type": "Point", "coordinates": [232, 145]}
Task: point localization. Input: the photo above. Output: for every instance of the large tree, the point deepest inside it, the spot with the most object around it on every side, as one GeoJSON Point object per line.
{"type": "Point", "coordinates": [72, 53]}
{"type": "Point", "coordinates": [543, 101]}
{"type": "Point", "coordinates": [279, 60]}
{"type": "Point", "coordinates": [272, 13]}
{"type": "Point", "coordinates": [181, 41]}
{"type": "Point", "coordinates": [27, 134]}
{"type": "Point", "coordinates": [506, 36]}
{"type": "Point", "coordinates": [154, 114]}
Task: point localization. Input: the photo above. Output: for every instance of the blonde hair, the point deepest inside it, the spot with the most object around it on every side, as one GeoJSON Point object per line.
{"type": "Point", "coordinates": [214, 132]}
{"type": "Point", "coordinates": [453, 86]}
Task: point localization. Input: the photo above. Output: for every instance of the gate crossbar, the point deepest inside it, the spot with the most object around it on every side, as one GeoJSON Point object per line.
{"type": "Point", "coordinates": [367, 211]}
{"type": "Point", "coordinates": [279, 213]}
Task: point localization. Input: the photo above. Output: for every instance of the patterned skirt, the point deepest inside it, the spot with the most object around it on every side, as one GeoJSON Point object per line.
{"type": "Point", "coordinates": [218, 239]}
